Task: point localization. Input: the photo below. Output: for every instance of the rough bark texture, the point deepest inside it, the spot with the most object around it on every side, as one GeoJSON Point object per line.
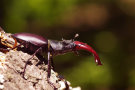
{"type": "Point", "coordinates": [12, 64]}
{"type": "Point", "coordinates": [35, 75]}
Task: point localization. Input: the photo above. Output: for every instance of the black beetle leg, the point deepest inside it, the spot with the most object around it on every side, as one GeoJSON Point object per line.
{"type": "Point", "coordinates": [4, 50]}
{"type": "Point", "coordinates": [18, 45]}
{"type": "Point", "coordinates": [23, 73]}
{"type": "Point", "coordinates": [49, 65]}
{"type": "Point", "coordinates": [42, 59]}
{"type": "Point", "coordinates": [49, 71]}
{"type": "Point", "coordinates": [52, 64]}
{"type": "Point", "coordinates": [7, 50]}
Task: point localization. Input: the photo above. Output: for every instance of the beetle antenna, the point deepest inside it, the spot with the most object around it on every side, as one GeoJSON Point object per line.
{"type": "Point", "coordinates": [76, 36]}
{"type": "Point", "coordinates": [63, 39]}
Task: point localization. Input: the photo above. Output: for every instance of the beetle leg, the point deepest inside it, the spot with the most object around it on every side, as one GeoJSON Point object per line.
{"type": "Point", "coordinates": [52, 64]}
{"type": "Point", "coordinates": [42, 59]}
{"type": "Point", "coordinates": [23, 73]}
{"type": "Point", "coordinates": [49, 65]}
{"type": "Point", "coordinates": [4, 50]}
{"type": "Point", "coordinates": [49, 61]}
{"type": "Point", "coordinates": [49, 70]}
{"type": "Point", "coordinates": [15, 44]}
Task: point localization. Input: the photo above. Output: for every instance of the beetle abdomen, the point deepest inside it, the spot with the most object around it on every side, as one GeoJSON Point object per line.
{"type": "Point", "coordinates": [32, 38]}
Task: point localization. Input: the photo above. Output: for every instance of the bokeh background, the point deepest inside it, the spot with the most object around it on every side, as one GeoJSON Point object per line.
{"type": "Point", "coordinates": [107, 25]}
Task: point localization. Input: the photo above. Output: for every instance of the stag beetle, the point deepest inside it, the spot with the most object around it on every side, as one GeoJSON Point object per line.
{"type": "Point", "coordinates": [38, 44]}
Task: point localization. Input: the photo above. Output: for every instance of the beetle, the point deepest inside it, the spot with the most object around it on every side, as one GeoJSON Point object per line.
{"type": "Point", "coordinates": [38, 44]}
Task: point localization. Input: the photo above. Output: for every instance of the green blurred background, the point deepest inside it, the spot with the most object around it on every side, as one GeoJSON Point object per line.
{"type": "Point", "coordinates": [107, 25]}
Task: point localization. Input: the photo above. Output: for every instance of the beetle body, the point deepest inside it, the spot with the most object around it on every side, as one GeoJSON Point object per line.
{"type": "Point", "coordinates": [32, 42]}
{"type": "Point", "coordinates": [38, 44]}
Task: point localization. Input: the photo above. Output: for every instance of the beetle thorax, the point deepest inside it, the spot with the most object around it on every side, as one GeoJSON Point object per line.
{"type": "Point", "coordinates": [61, 47]}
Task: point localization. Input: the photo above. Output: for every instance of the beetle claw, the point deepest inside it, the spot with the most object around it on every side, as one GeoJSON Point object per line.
{"type": "Point", "coordinates": [84, 46]}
